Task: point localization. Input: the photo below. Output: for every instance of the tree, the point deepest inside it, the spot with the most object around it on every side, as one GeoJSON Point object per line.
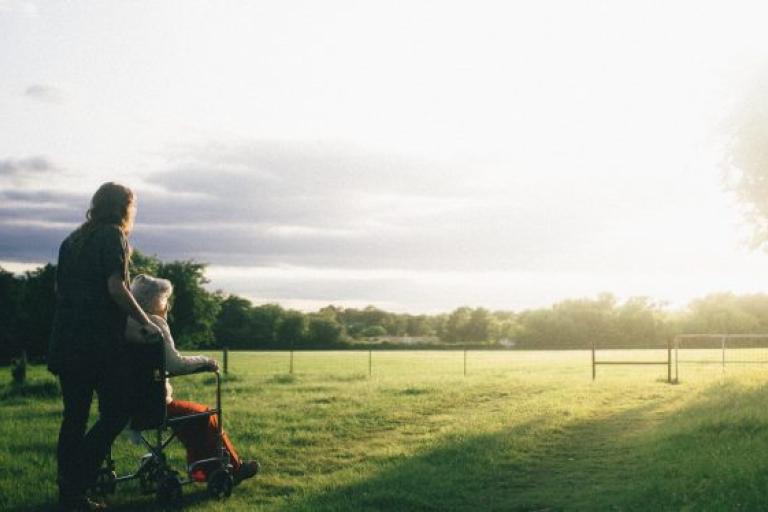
{"type": "Point", "coordinates": [11, 289]}
{"type": "Point", "coordinates": [194, 309]}
{"type": "Point", "coordinates": [323, 330]}
{"type": "Point", "coordinates": [233, 324]}
{"type": "Point", "coordinates": [720, 313]}
{"type": "Point", "coordinates": [418, 325]}
{"type": "Point", "coordinates": [481, 326]}
{"type": "Point", "coordinates": [639, 322]}
{"type": "Point", "coordinates": [143, 264]}
{"type": "Point", "coordinates": [264, 321]}
{"type": "Point", "coordinates": [747, 160]}
{"type": "Point", "coordinates": [292, 329]}
{"type": "Point", "coordinates": [373, 331]}
{"type": "Point", "coordinates": [37, 309]}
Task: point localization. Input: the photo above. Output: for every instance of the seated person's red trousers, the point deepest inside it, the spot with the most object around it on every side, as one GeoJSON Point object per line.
{"type": "Point", "coordinates": [199, 435]}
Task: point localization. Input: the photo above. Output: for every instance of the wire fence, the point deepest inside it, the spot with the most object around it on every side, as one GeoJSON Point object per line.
{"type": "Point", "coordinates": [721, 349]}
{"type": "Point", "coordinates": [408, 362]}
{"type": "Point", "coordinates": [682, 353]}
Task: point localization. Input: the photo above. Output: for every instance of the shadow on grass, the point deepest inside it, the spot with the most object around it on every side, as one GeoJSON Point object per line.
{"type": "Point", "coordinates": [352, 377]}
{"type": "Point", "coordinates": [38, 390]}
{"type": "Point", "coordinates": [283, 378]}
{"type": "Point", "coordinates": [711, 455]}
{"type": "Point", "coordinates": [123, 502]}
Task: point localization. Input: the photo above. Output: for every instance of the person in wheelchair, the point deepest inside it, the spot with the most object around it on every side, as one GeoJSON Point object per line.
{"type": "Point", "coordinates": [199, 436]}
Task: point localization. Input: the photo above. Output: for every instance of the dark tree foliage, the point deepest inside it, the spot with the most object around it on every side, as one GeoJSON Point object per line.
{"type": "Point", "coordinates": [194, 309]}
{"type": "Point", "coordinates": [233, 327]}
{"type": "Point", "coordinates": [37, 309]}
{"type": "Point", "coordinates": [264, 322]}
{"type": "Point", "coordinates": [323, 331]}
{"type": "Point", "coordinates": [144, 264]}
{"type": "Point", "coordinates": [26, 314]}
{"type": "Point", "coordinates": [11, 296]}
{"type": "Point", "coordinates": [292, 329]}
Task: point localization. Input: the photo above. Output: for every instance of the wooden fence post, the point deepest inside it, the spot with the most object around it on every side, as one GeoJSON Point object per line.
{"type": "Point", "coordinates": [594, 367]}
{"type": "Point", "coordinates": [225, 357]}
{"type": "Point", "coordinates": [722, 342]}
{"type": "Point", "coordinates": [677, 360]}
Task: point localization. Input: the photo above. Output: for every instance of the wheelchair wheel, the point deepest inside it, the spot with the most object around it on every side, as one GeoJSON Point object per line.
{"type": "Point", "coordinates": [105, 482]}
{"type": "Point", "coordinates": [149, 477]}
{"type": "Point", "coordinates": [169, 491]}
{"type": "Point", "coordinates": [220, 484]}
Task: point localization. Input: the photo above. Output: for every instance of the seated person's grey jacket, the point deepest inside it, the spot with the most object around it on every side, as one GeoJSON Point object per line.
{"type": "Point", "coordinates": [175, 363]}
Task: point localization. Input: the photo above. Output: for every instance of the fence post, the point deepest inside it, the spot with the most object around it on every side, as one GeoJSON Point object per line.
{"type": "Point", "coordinates": [594, 367]}
{"type": "Point", "coordinates": [722, 342]}
{"type": "Point", "coordinates": [19, 369]}
{"type": "Point", "coordinates": [669, 361]}
{"type": "Point", "coordinates": [677, 359]}
{"type": "Point", "coordinates": [370, 362]}
{"type": "Point", "coordinates": [465, 362]}
{"type": "Point", "coordinates": [290, 367]}
{"type": "Point", "coordinates": [226, 359]}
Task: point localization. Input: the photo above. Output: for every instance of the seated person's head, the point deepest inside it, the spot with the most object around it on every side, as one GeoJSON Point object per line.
{"type": "Point", "coordinates": [152, 294]}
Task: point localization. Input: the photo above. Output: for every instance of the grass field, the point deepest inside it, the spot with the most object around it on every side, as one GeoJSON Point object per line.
{"type": "Point", "coordinates": [522, 431]}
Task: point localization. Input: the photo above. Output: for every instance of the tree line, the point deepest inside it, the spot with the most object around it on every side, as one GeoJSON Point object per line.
{"type": "Point", "coordinates": [201, 319]}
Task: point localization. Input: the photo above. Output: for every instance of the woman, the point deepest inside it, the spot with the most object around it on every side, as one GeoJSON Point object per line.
{"type": "Point", "coordinates": [87, 345]}
{"type": "Point", "coordinates": [198, 436]}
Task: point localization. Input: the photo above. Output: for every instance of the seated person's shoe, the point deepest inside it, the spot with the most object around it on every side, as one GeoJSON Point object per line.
{"type": "Point", "coordinates": [248, 469]}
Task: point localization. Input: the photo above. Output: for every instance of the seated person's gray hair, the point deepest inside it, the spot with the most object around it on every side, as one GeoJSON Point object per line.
{"type": "Point", "coordinates": [150, 290]}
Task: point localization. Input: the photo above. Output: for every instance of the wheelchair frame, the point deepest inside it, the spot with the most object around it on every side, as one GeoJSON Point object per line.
{"type": "Point", "coordinates": [154, 472]}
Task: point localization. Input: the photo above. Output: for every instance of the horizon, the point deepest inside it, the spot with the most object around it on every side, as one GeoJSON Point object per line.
{"type": "Point", "coordinates": [666, 307]}
{"type": "Point", "coordinates": [416, 158]}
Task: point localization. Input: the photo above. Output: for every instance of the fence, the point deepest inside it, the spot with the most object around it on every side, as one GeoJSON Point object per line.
{"type": "Point", "coordinates": [720, 350]}
{"type": "Point", "coordinates": [370, 363]}
{"type": "Point", "coordinates": [626, 355]}
{"type": "Point", "coordinates": [707, 350]}
{"type": "Point", "coordinates": [291, 356]}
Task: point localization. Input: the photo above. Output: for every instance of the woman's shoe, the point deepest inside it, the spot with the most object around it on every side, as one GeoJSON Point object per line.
{"type": "Point", "coordinates": [248, 469]}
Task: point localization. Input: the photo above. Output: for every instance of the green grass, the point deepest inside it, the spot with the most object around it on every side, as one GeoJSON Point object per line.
{"type": "Point", "coordinates": [522, 431]}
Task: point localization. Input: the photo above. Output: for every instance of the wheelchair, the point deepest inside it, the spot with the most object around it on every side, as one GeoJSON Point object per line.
{"type": "Point", "coordinates": [154, 473]}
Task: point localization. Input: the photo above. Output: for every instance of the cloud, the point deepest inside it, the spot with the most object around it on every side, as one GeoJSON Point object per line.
{"type": "Point", "coordinates": [308, 204]}
{"type": "Point", "coordinates": [46, 93]}
{"type": "Point", "coordinates": [325, 222]}
{"type": "Point", "coordinates": [332, 206]}
{"type": "Point", "coordinates": [24, 7]}
{"type": "Point", "coordinates": [31, 242]}
{"type": "Point", "coordinates": [31, 165]}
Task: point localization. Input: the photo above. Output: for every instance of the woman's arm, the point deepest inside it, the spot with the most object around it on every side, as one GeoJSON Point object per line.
{"type": "Point", "coordinates": [125, 300]}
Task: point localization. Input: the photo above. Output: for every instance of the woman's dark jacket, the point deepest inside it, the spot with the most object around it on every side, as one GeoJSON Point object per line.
{"type": "Point", "coordinates": [89, 326]}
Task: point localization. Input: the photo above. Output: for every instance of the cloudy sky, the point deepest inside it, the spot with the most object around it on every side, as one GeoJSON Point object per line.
{"type": "Point", "coordinates": [413, 155]}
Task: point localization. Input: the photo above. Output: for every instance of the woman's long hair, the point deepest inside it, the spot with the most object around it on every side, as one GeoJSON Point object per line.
{"type": "Point", "coordinates": [110, 205]}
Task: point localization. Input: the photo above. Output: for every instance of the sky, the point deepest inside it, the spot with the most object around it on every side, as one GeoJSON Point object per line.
{"type": "Point", "coordinates": [416, 156]}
